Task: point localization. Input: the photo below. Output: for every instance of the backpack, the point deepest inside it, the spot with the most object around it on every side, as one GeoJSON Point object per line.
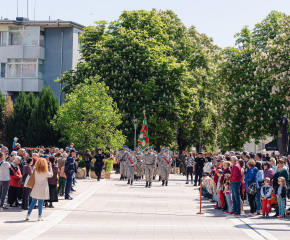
{"type": "Point", "coordinates": [252, 189]}
{"type": "Point", "coordinates": [260, 178]}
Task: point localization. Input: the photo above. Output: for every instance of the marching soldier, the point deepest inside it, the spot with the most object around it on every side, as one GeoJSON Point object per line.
{"type": "Point", "coordinates": [138, 154]}
{"type": "Point", "coordinates": [131, 168]}
{"type": "Point", "coordinates": [165, 164]}
{"type": "Point", "coordinates": [198, 168]}
{"type": "Point", "coordinates": [149, 159]}
{"type": "Point", "coordinates": [122, 157]}
{"type": "Point", "coordinates": [159, 158]}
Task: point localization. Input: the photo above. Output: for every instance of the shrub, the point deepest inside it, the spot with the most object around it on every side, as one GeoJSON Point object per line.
{"type": "Point", "coordinates": [109, 165]}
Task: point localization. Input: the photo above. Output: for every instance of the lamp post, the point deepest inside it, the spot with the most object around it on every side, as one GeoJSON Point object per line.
{"type": "Point", "coordinates": [135, 123]}
{"type": "Point", "coordinates": [175, 150]}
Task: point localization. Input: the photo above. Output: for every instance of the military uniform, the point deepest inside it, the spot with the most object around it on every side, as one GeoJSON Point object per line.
{"type": "Point", "coordinates": [150, 163]}
{"type": "Point", "coordinates": [138, 156]}
{"type": "Point", "coordinates": [158, 171]}
{"type": "Point", "coordinates": [165, 164]}
{"type": "Point", "coordinates": [199, 163]}
{"type": "Point", "coordinates": [182, 164]}
{"type": "Point", "coordinates": [122, 157]}
{"type": "Point", "coordinates": [131, 168]}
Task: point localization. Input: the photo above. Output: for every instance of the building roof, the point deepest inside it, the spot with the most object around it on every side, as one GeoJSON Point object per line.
{"type": "Point", "coordinates": [42, 23]}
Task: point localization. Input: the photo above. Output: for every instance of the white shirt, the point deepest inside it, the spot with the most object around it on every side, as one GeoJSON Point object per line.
{"type": "Point", "coordinates": [4, 171]}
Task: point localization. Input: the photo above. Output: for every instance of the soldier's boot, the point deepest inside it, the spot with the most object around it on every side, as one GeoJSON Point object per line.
{"type": "Point", "coordinates": [153, 177]}
{"type": "Point", "coordinates": [131, 182]}
{"type": "Point", "coordinates": [146, 184]}
{"type": "Point", "coordinates": [163, 182]}
{"type": "Point", "coordinates": [150, 185]}
{"type": "Point", "coordinates": [166, 184]}
{"type": "Point", "coordinates": [142, 176]}
{"type": "Point", "coordinates": [159, 178]}
{"type": "Point", "coordinates": [128, 181]}
{"type": "Point", "coordinates": [121, 177]}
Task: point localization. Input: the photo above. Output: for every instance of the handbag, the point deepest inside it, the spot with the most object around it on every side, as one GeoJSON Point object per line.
{"type": "Point", "coordinates": [274, 200]}
{"type": "Point", "coordinates": [252, 189]}
{"type": "Point", "coordinates": [23, 178]}
{"type": "Point", "coordinates": [31, 180]}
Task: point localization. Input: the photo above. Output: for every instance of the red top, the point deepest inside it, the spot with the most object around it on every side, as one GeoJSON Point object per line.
{"type": "Point", "coordinates": [226, 171]}
{"type": "Point", "coordinates": [236, 173]}
{"type": "Point", "coordinates": [15, 179]}
{"type": "Point", "coordinates": [216, 178]}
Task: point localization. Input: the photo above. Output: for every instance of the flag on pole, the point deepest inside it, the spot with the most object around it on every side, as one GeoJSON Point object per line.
{"type": "Point", "coordinates": [143, 139]}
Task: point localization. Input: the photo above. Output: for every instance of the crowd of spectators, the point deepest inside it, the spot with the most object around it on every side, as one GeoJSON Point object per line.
{"type": "Point", "coordinates": [42, 175]}
{"type": "Point", "coordinates": [235, 179]}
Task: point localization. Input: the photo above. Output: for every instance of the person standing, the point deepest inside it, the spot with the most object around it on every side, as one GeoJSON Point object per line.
{"type": "Point", "coordinates": [189, 168]}
{"type": "Point", "coordinates": [52, 182]}
{"type": "Point", "coordinates": [14, 183]}
{"type": "Point", "coordinates": [198, 168]}
{"type": "Point", "coordinates": [138, 155]}
{"type": "Point", "coordinates": [131, 163]}
{"type": "Point", "coordinates": [236, 182]}
{"type": "Point", "coordinates": [27, 171]}
{"type": "Point", "coordinates": [165, 164]}
{"type": "Point", "coordinates": [69, 171]}
{"type": "Point", "coordinates": [40, 190]}
{"type": "Point", "coordinates": [150, 160]}
{"type": "Point", "coordinates": [14, 147]}
{"type": "Point", "coordinates": [99, 163]}
{"type": "Point", "coordinates": [121, 157]}
{"type": "Point", "coordinates": [88, 162]}
{"type": "Point", "coordinates": [4, 180]}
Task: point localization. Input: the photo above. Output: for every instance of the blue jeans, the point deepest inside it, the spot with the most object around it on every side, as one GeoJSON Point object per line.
{"type": "Point", "coordinates": [236, 197]}
{"type": "Point", "coordinates": [32, 205]}
{"type": "Point", "coordinates": [68, 185]}
{"type": "Point", "coordinates": [258, 200]}
{"type": "Point", "coordinates": [205, 193]}
{"type": "Point", "coordinates": [4, 186]}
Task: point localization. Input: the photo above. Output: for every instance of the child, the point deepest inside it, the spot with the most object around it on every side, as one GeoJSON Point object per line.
{"type": "Point", "coordinates": [281, 196]}
{"type": "Point", "coordinates": [14, 144]}
{"type": "Point", "coordinates": [62, 181]}
{"type": "Point", "coordinates": [228, 192]}
{"type": "Point", "coordinates": [266, 192]}
{"type": "Point", "coordinates": [219, 190]}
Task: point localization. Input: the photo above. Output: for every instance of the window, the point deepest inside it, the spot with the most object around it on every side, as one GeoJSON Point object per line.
{"type": "Point", "coordinates": [27, 36]}
{"type": "Point", "coordinates": [40, 68]}
{"type": "Point", "coordinates": [41, 38]}
{"type": "Point", "coordinates": [2, 70]}
{"type": "Point", "coordinates": [24, 68]}
{"type": "Point", "coordinates": [3, 38]}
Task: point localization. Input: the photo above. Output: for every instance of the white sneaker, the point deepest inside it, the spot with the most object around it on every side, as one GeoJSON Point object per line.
{"type": "Point", "coordinates": [250, 215]}
{"type": "Point", "coordinates": [27, 217]}
{"type": "Point", "coordinates": [40, 219]}
{"type": "Point", "coordinates": [242, 212]}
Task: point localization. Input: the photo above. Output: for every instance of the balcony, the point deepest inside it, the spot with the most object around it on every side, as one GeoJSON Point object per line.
{"type": "Point", "coordinates": [20, 51]}
{"type": "Point", "coordinates": [21, 84]}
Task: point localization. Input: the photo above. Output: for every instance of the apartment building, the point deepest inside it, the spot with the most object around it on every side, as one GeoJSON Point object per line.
{"type": "Point", "coordinates": [34, 54]}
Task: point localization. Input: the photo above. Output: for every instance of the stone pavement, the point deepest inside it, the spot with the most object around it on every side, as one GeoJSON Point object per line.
{"type": "Point", "coordinates": [110, 209]}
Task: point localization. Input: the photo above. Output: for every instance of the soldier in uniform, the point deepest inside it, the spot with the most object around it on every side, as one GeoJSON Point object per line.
{"type": "Point", "coordinates": [165, 165]}
{"type": "Point", "coordinates": [138, 155]}
{"type": "Point", "coordinates": [122, 157]}
{"type": "Point", "coordinates": [131, 167]}
{"type": "Point", "coordinates": [198, 168]}
{"type": "Point", "coordinates": [149, 159]}
{"type": "Point", "coordinates": [159, 158]}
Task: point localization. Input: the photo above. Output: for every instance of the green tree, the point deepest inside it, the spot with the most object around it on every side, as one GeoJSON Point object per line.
{"type": "Point", "coordinates": [2, 101]}
{"type": "Point", "coordinates": [136, 56]}
{"type": "Point", "coordinates": [248, 111]}
{"type": "Point", "coordinates": [7, 114]}
{"type": "Point", "coordinates": [89, 117]}
{"type": "Point", "coordinates": [23, 107]}
{"type": "Point", "coordinates": [40, 130]}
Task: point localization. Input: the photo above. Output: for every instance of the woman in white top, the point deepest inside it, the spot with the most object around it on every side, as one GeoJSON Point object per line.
{"type": "Point", "coordinates": [40, 190]}
{"type": "Point", "coordinates": [207, 167]}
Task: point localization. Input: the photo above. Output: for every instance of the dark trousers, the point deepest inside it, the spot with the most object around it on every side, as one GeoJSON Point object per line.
{"type": "Point", "coordinates": [13, 195]}
{"type": "Point", "coordinates": [205, 193]}
{"type": "Point", "coordinates": [98, 170]}
{"type": "Point", "coordinates": [198, 175]}
{"type": "Point", "coordinates": [4, 186]}
{"type": "Point", "coordinates": [68, 185]}
{"type": "Point", "coordinates": [88, 168]}
{"type": "Point", "coordinates": [26, 199]}
{"type": "Point", "coordinates": [189, 171]}
{"type": "Point", "coordinates": [252, 202]}
{"type": "Point", "coordinates": [236, 187]}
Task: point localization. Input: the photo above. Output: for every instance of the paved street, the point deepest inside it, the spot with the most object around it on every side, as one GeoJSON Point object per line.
{"type": "Point", "coordinates": [110, 209]}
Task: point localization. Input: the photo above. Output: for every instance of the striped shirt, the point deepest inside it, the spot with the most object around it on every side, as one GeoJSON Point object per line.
{"type": "Point", "coordinates": [189, 162]}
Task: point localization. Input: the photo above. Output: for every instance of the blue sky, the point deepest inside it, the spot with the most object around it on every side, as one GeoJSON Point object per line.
{"type": "Point", "coordinates": [219, 19]}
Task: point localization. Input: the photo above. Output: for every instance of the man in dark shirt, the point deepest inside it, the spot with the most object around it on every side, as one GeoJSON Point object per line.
{"type": "Point", "coordinates": [198, 166]}
{"type": "Point", "coordinates": [99, 157]}
{"type": "Point", "coordinates": [69, 171]}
